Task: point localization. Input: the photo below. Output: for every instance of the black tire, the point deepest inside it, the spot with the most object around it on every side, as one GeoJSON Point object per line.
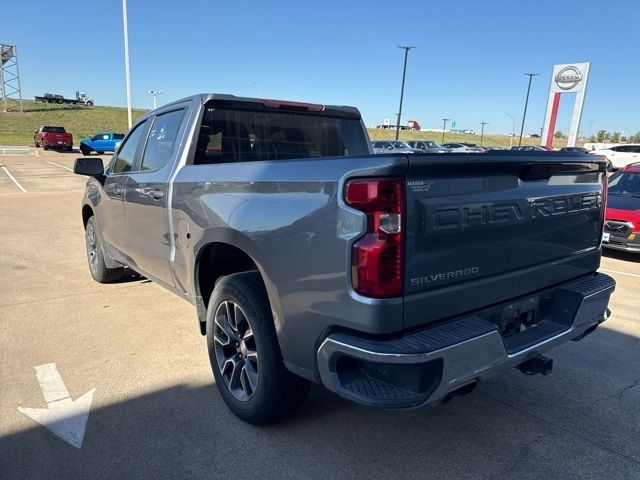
{"type": "Point", "coordinates": [69, 148]}
{"type": "Point", "coordinates": [277, 392]}
{"type": "Point", "coordinates": [45, 146]}
{"type": "Point", "coordinates": [97, 266]}
{"type": "Point", "coordinates": [89, 103]}
{"type": "Point", "coordinates": [36, 144]}
{"type": "Point", "coordinates": [84, 149]}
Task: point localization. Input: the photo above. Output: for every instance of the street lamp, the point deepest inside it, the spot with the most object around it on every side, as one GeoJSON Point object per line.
{"type": "Point", "coordinates": [404, 73]}
{"type": "Point", "coordinates": [155, 93]}
{"type": "Point", "coordinates": [513, 127]}
{"type": "Point", "coordinates": [482, 131]}
{"type": "Point", "coordinates": [126, 59]}
{"type": "Point", "coordinates": [526, 102]}
{"type": "Point", "coordinates": [444, 127]}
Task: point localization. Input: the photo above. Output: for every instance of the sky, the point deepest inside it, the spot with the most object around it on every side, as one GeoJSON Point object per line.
{"type": "Point", "coordinates": [468, 64]}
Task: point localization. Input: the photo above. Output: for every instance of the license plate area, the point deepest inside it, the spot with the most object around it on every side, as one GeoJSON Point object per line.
{"type": "Point", "coordinates": [528, 321]}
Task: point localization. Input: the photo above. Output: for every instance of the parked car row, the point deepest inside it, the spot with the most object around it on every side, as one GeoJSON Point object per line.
{"type": "Point", "coordinates": [428, 146]}
{"type": "Point", "coordinates": [50, 136]}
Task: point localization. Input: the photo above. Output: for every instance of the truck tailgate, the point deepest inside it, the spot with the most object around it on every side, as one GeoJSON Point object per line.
{"type": "Point", "coordinates": [482, 229]}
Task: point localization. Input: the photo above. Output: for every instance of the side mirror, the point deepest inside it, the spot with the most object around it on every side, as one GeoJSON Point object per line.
{"type": "Point", "coordinates": [91, 167]}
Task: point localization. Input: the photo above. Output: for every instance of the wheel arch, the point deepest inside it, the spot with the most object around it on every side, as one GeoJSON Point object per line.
{"type": "Point", "coordinates": [87, 213]}
{"type": "Point", "coordinates": [215, 260]}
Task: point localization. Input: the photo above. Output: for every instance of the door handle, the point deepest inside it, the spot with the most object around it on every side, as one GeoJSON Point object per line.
{"type": "Point", "coordinates": [155, 193]}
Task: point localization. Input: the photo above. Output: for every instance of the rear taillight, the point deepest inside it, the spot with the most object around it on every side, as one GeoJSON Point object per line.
{"type": "Point", "coordinates": [377, 258]}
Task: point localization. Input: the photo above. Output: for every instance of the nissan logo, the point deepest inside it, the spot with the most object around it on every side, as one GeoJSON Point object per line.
{"type": "Point", "coordinates": [568, 78]}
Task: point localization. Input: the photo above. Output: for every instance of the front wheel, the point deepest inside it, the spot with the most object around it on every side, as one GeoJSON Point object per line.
{"type": "Point", "coordinates": [97, 266]}
{"type": "Point", "coordinates": [85, 150]}
{"type": "Point", "coordinates": [244, 352]}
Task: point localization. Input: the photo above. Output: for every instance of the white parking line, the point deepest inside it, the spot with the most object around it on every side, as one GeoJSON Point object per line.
{"type": "Point", "coordinates": [58, 165]}
{"type": "Point", "coordinates": [619, 272]}
{"type": "Point", "coordinates": [14, 180]}
{"type": "Point", "coordinates": [14, 149]}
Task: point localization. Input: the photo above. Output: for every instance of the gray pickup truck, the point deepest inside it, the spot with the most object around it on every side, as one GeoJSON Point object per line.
{"type": "Point", "coordinates": [393, 280]}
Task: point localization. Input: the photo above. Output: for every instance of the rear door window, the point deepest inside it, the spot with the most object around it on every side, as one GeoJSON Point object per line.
{"type": "Point", "coordinates": [161, 141]}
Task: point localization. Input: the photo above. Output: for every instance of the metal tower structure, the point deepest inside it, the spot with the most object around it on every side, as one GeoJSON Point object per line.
{"type": "Point", "coordinates": [10, 78]}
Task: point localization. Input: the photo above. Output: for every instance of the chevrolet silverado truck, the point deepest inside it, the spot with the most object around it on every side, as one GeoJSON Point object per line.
{"type": "Point", "coordinates": [393, 280]}
{"type": "Point", "coordinates": [49, 136]}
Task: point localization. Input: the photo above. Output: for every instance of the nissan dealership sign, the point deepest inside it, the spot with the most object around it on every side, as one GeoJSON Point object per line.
{"type": "Point", "coordinates": [566, 78]}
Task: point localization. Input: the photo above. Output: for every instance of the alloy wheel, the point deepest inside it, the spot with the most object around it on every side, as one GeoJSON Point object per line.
{"type": "Point", "coordinates": [235, 350]}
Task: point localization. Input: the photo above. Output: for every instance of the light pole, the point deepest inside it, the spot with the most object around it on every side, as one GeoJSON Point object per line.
{"type": "Point", "coordinates": [155, 93]}
{"type": "Point", "coordinates": [404, 73]}
{"type": "Point", "coordinates": [526, 102]}
{"type": "Point", "coordinates": [513, 127]}
{"type": "Point", "coordinates": [444, 127]}
{"type": "Point", "coordinates": [482, 131]}
{"type": "Point", "coordinates": [126, 59]}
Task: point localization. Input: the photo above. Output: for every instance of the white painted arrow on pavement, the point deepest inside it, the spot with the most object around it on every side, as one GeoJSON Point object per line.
{"type": "Point", "coordinates": [66, 418]}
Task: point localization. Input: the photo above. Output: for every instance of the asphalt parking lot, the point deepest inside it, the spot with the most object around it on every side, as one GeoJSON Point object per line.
{"type": "Point", "coordinates": [157, 414]}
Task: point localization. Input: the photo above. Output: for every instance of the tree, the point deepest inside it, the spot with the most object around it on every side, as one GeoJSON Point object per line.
{"type": "Point", "coordinates": [558, 134]}
{"type": "Point", "coordinates": [615, 137]}
{"type": "Point", "coordinates": [601, 135]}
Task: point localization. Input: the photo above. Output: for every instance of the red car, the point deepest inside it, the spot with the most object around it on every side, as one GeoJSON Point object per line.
{"type": "Point", "coordinates": [53, 137]}
{"type": "Point", "coordinates": [622, 221]}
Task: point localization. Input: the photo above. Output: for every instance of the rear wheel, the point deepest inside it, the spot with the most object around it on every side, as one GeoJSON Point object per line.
{"type": "Point", "coordinates": [45, 146]}
{"type": "Point", "coordinates": [244, 352]}
{"type": "Point", "coordinates": [97, 266]}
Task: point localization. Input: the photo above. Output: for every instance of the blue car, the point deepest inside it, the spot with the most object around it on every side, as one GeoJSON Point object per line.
{"type": "Point", "coordinates": [101, 142]}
